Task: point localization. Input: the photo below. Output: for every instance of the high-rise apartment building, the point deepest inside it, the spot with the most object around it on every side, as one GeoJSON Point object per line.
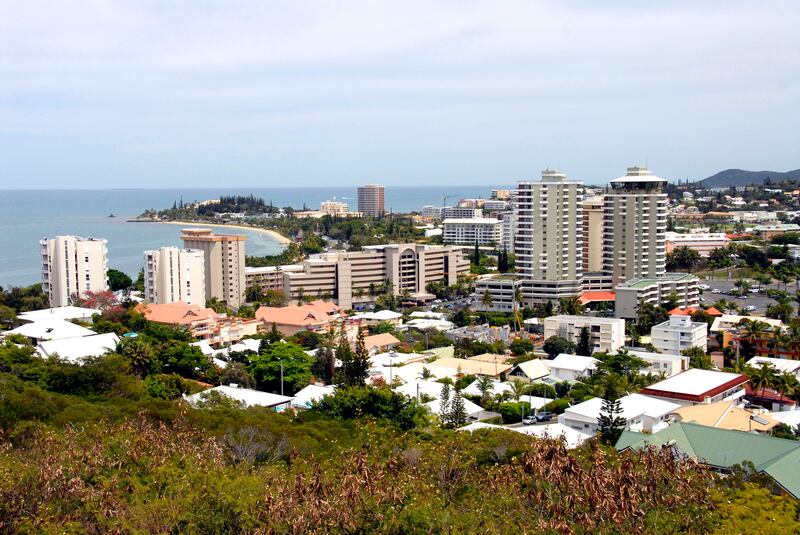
{"type": "Point", "coordinates": [593, 235]}
{"type": "Point", "coordinates": [549, 237]}
{"type": "Point", "coordinates": [72, 266]}
{"type": "Point", "coordinates": [224, 263]}
{"type": "Point", "coordinates": [371, 200]}
{"type": "Point", "coordinates": [172, 274]}
{"type": "Point", "coordinates": [635, 224]}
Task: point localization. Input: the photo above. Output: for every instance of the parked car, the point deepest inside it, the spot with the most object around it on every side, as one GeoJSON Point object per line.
{"type": "Point", "coordinates": [529, 420]}
{"type": "Point", "coordinates": [750, 308]}
{"type": "Point", "coordinates": [716, 291]}
{"type": "Point", "coordinates": [544, 416]}
{"type": "Point", "coordinates": [743, 296]}
{"type": "Point", "coordinates": [704, 287]}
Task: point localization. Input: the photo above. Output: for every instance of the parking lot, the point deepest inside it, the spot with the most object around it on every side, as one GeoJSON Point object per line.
{"type": "Point", "coordinates": [759, 300]}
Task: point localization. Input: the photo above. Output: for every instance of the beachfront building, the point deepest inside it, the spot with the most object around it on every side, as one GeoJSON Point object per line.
{"type": "Point", "coordinates": [480, 230]}
{"type": "Point", "coordinates": [371, 200]}
{"type": "Point", "coordinates": [172, 274]}
{"type": "Point", "coordinates": [635, 223]}
{"type": "Point", "coordinates": [605, 334]}
{"type": "Point", "coordinates": [358, 277]}
{"type": "Point", "coordinates": [334, 208]}
{"type": "Point", "coordinates": [72, 266]}
{"type": "Point", "coordinates": [702, 242]}
{"type": "Point", "coordinates": [549, 237]}
{"type": "Point", "coordinates": [268, 278]}
{"type": "Point", "coordinates": [223, 256]}
{"type": "Point", "coordinates": [635, 292]}
{"type": "Point", "coordinates": [679, 333]}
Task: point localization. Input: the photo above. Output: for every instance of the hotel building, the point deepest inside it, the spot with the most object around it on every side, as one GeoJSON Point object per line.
{"type": "Point", "coordinates": [224, 263]}
{"type": "Point", "coordinates": [353, 277]}
{"type": "Point", "coordinates": [635, 223]}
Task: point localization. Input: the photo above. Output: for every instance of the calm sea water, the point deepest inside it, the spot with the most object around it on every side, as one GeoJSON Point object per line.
{"type": "Point", "coordinates": [27, 216]}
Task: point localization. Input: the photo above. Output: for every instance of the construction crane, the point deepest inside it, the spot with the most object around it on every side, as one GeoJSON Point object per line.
{"type": "Point", "coordinates": [445, 196]}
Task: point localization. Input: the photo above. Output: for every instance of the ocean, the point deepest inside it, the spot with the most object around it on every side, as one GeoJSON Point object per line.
{"type": "Point", "coordinates": [27, 216]}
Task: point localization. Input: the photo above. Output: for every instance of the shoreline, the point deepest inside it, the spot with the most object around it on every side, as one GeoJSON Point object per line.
{"type": "Point", "coordinates": [277, 236]}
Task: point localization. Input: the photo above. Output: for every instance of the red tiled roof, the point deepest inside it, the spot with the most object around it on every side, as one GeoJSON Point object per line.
{"type": "Point", "coordinates": [314, 313]}
{"type": "Point", "coordinates": [769, 395]}
{"type": "Point", "coordinates": [596, 297]}
{"type": "Point", "coordinates": [178, 313]}
{"type": "Point", "coordinates": [680, 311]}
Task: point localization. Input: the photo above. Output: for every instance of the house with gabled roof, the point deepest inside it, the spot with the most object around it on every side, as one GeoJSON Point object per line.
{"type": "Point", "coordinates": [722, 449]}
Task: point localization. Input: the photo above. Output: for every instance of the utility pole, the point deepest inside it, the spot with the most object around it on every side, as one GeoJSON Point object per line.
{"type": "Point", "coordinates": [281, 361]}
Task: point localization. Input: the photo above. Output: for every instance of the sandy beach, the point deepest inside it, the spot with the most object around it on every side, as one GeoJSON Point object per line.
{"type": "Point", "coordinates": [277, 236]}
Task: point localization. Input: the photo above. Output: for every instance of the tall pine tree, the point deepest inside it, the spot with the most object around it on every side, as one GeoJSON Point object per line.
{"type": "Point", "coordinates": [345, 356]}
{"type": "Point", "coordinates": [359, 366]}
{"type": "Point", "coordinates": [457, 416]}
{"type": "Point", "coordinates": [584, 344]}
{"type": "Point", "coordinates": [610, 422]}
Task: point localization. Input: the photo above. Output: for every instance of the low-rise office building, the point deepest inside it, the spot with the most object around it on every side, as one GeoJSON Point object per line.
{"type": "Point", "coordinates": [353, 277]}
{"type": "Point", "coordinates": [699, 386]}
{"type": "Point", "coordinates": [605, 334]}
{"type": "Point", "coordinates": [480, 230]}
{"type": "Point", "coordinates": [702, 242]}
{"type": "Point", "coordinates": [679, 333]}
{"type": "Point", "coordinates": [501, 291]}
{"type": "Point", "coordinates": [635, 292]}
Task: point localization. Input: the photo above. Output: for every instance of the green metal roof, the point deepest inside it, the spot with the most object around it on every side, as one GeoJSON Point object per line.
{"type": "Point", "coordinates": [723, 448]}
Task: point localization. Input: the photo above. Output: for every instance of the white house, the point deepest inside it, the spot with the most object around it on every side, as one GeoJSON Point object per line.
{"type": "Point", "coordinates": [80, 348]}
{"type": "Point", "coordinates": [246, 396]}
{"type": "Point", "coordinates": [566, 367]}
{"type": "Point", "coordinates": [66, 313]}
{"type": "Point", "coordinates": [556, 431]}
{"type": "Point", "coordinates": [669, 365]}
{"type": "Point", "coordinates": [309, 394]}
{"type": "Point", "coordinates": [679, 333]}
{"type": "Point", "coordinates": [473, 410]}
{"type": "Point", "coordinates": [530, 370]}
{"type": "Point", "coordinates": [779, 365]}
{"type": "Point", "coordinates": [51, 329]}
{"type": "Point", "coordinates": [641, 413]}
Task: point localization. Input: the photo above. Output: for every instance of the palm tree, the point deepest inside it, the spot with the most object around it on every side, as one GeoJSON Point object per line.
{"type": "Point", "coordinates": [571, 306]}
{"type": "Point", "coordinates": [752, 331]}
{"type": "Point", "coordinates": [518, 298]}
{"type": "Point", "coordinates": [138, 354]}
{"type": "Point", "coordinates": [763, 377]}
{"type": "Point", "coordinates": [518, 389]}
{"type": "Point", "coordinates": [485, 385]}
{"type": "Point", "coordinates": [786, 384]}
{"type": "Point", "coordinates": [486, 300]}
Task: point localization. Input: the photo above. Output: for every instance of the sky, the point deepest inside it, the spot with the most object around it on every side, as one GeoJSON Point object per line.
{"type": "Point", "coordinates": [99, 94]}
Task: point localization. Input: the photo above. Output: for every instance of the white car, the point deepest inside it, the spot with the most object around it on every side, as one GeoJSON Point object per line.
{"type": "Point", "coordinates": [716, 291]}
{"type": "Point", "coordinates": [704, 287]}
{"type": "Point", "coordinates": [750, 308]}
